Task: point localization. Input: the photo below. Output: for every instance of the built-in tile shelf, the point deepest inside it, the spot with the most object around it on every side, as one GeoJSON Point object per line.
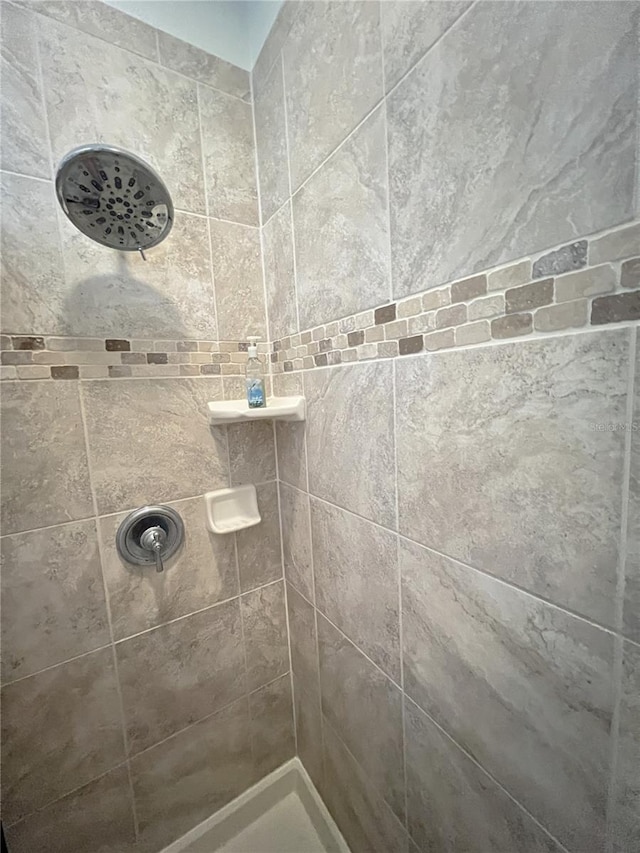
{"type": "Point", "coordinates": [238, 411]}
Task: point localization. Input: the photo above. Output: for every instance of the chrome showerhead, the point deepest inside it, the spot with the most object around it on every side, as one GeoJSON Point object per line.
{"type": "Point", "coordinates": [114, 197]}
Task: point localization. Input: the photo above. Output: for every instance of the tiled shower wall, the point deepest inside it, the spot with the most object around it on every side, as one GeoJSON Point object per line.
{"type": "Point", "coordinates": [134, 704]}
{"type": "Point", "coordinates": [449, 201]}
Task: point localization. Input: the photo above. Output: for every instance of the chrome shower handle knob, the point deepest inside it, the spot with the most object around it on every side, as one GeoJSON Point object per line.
{"type": "Point", "coordinates": [150, 535]}
{"type": "Point", "coordinates": [153, 539]}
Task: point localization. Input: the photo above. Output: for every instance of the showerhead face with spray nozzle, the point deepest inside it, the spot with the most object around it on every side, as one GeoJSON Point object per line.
{"type": "Point", "coordinates": [114, 197]}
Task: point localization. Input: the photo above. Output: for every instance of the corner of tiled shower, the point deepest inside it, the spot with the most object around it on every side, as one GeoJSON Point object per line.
{"type": "Point", "coordinates": [429, 211]}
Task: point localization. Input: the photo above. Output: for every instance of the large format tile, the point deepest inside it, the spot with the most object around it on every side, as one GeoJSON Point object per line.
{"type": "Point", "coordinates": [228, 156]}
{"type": "Point", "coordinates": [265, 634]}
{"type": "Point", "coordinates": [304, 647]}
{"type": "Point", "coordinates": [184, 780]}
{"type": "Point", "coordinates": [60, 729]}
{"type": "Point", "coordinates": [45, 477]}
{"type": "Point", "coordinates": [333, 78]}
{"type": "Point", "coordinates": [340, 216]}
{"type": "Point", "coordinates": [272, 731]}
{"type": "Point", "coordinates": [363, 817]}
{"type": "Point", "coordinates": [150, 103]}
{"type": "Point", "coordinates": [279, 275]}
{"type": "Point", "coordinates": [98, 818]}
{"type": "Point", "coordinates": [490, 135]}
{"type": "Point", "coordinates": [296, 539]}
{"type": "Point", "coordinates": [179, 673]}
{"type": "Point", "coordinates": [150, 441]}
{"type": "Point", "coordinates": [252, 457]}
{"type": "Point", "coordinates": [103, 21]}
{"type": "Point", "coordinates": [356, 579]}
{"type": "Point", "coordinates": [32, 282]}
{"type": "Point", "coordinates": [199, 65]}
{"type": "Point", "coordinates": [271, 141]}
{"type": "Point", "coordinates": [501, 463]}
{"type": "Point", "coordinates": [277, 36]}
{"type": "Point", "coordinates": [237, 272]}
{"type": "Point", "coordinates": [290, 437]}
{"type": "Point", "coordinates": [117, 294]}
{"type": "Point", "coordinates": [350, 427]}
{"type": "Point", "coordinates": [453, 806]}
{"type": "Point", "coordinates": [625, 817]}
{"type": "Point", "coordinates": [364, 708]}
{"type": "Point", "coordinates": [410, 28]}
{"type": "Point", "coordinates": [23, 135]}
{"type": "Point", "coordinates": [306, 685]}
{"type": "Point", "coordinates": [259, 550]}
{"type": "Point", "coordinates": [306, 701]}
{"type": "Point", "coordinates": [524, 687]}
{"type": "Point", "coordinates": [53, 605]}
{"type": "Point", "coordinates": [203, 572]}
{"type": "Point", "coordinates": [631, 617]}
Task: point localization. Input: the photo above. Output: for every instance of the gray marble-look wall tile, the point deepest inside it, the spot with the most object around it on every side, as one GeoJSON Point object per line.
{"type": "Point", "coordinates": [290, 437]}
{"type": "Point", "coordinates": [228, 156]}
{"type": "Point", "coordinates": [296, 539]}
{"type": "Point", "coordinates": [179, 783]}
{"type": "Point", "coordinates": [524, 687]}
{"type": "Point", "coordinates": [23, 135]}
{"type": "Point", "coordinates": [199, 65]}
{"type": "Point", "coordinates": [99, 813]}
{"type": "Point", "coordinates": [32, 282]}
{"type": "Point", "coordinates": [101, 20]}
{"type": "Point", "coordinates": [271, 709]}
{"type": "Point", "coordinates": [279, 275]}
{"type": "Point", "coordinates": [252, 457]}
{"type": "Point", "coordinates": [139, 110]}
{"type": "Point", "coordinates": [237, 272]}
{"type": "Point", "coordinates": [53, 605]}
{"type": "Point", "coordinates": [484, 106]}
{"type": "Point", "coordinates": [304, 645]}
{"type": "Point", "coordinates": [60, 729]}
{"type": "Point", "coordinates": [45, 476]}
{"type": "Point", "coordinates": [625, 816]}
{"type": "Point", "coordinates": [333, 78]}
{"type": "Point", "coordinates": [363, 707]}
{"type": "Point", "coordinates": [203, 572]}
{"type": "Point", "coordinates": [356, 581]}
{"type": "Point", "coordinates": [362, 815]}
{"type": "Point", "coordinates": [341, 242]}
{"type": "Point", "coordinates": [271, 138]}
{"type": "Point", "coordinates": [179, 673]}
{"type": "Point", "coordinates": [501, 463]}
{"type": "Point", "coordinates": [150, 440]}
{"type": "Point", "coordinates": [259, 551]}
{"type": "Point", "coordinates": [265, 634]}
{"type": "Point", "coordinates": [273, 43]}
{"type": "Point", "coordinates": [350, 421]}
{"type": "Point", "coordinates": [452, 805]}
{"type": "Point", "coordinates": [631, 617]}
{"type": "Point", "coordinates": [410, 28]}
{"type": "Point", "coordinates": [113, 294]}
{"type": "Point", "coordinates": [306, 700]}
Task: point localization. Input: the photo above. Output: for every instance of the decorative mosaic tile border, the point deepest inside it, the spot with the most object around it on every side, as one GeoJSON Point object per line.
{"type": "Point", "coordinates": [588, 283]}
{"type": "Point", "coordinates": [45, 357]}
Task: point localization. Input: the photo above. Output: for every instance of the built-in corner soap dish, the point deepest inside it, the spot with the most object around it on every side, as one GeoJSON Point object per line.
{"type": "Point", "coordinates": [234, 509]}
{"type": "Point", "coordinates": [237, 411]}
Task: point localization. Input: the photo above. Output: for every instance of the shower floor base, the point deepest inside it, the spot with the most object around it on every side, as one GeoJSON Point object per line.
{"type": "Point", "coordinates": [283, 813]}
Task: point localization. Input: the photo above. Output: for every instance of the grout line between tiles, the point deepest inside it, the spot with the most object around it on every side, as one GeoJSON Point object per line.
{"type": "Point", "coordinates": [509, 584]}
{"type": "Point", "coordinates": [290, 198]}
{"type": "Point", "coordinates": [620, 595]}
{"type": "Point", "coordinates": [486, 773]}
{"type": "Point", "coordinates": [107, 601]}
{"type": "Point", "coordinates": [256, 167]}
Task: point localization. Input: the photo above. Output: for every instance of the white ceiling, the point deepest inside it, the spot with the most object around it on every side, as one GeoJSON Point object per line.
{"type": "Point", "coordinates": [232, 29]}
